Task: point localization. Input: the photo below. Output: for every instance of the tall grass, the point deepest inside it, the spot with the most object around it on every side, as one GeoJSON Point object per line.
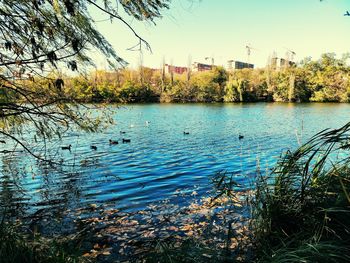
{"type": "Point", "coordinates": [301, 211]}
{"type": "Point", "coordinates": [17, 247]}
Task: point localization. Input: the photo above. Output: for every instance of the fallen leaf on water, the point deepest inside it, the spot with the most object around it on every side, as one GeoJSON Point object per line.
{"type": "Point", "coordinates": [186, 227]}
{"type": "Point", "coordinates": [149, 234]}
{"type": "Point", "coordinates": [133, 222]}
{"type": "Point", "coordinates": [173, 228]}
{"type": "Point", "coordinates": [96, 246]}
{"type": "Point", "coordinates": [189, 233]}
{"type": "Point", "coordinates": [204, 211]}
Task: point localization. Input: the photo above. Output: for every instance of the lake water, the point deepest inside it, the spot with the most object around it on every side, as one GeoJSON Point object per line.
{"type": "Point", "coordinates": [161, 160]}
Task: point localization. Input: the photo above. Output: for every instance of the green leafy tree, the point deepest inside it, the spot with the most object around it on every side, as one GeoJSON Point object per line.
{"type": "Point", "coordinates": [232, 93]}
{"type": "Point", "coordinates": [39, 36]}
{"type": "Point", "coordinates": [209, 86]}
{"type": "Point", "coordinates": [329, 78]}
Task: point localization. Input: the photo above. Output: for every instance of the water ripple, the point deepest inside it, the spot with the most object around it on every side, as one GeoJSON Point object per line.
{"type": "Point", "coordinates": [161, 160]}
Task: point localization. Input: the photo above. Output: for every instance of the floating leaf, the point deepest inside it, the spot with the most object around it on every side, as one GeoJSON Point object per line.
{"type": "Point", "coordinates": [96, 246]}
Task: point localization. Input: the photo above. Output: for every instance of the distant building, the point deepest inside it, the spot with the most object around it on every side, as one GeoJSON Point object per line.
{"type": "Point", "coordinates": [280, 63]}
{"type": "Point", "coordinates": [284, 63]}
{"type": "Point", "coordinates": [154, 70]}
{"type": "Point", "coordinates": [196, 66]}
{"type": "Point", "coordinates": [273, 63]}
{"type": "Point", "coordinates": [241, 65]}
{"type": "Point", "coordinates": [232, 64]}
{"type": "Point", "coordinates": [175, 69]}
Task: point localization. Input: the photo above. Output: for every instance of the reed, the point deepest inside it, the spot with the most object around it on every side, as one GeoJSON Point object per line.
{"type": "Point", "coordinates": [301, 210]}
{"type": "Point", "coordinates": [17, 247]}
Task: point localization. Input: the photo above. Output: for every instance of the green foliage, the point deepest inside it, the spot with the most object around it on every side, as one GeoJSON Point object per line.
{"type": "Point", "coordinates": [328, 78]}
{"type": "Point", "coordinates": [232, 92]}
{"type": "Point", "coordinates": [324, 80]}
{"type": "Point", "coordinates": [41, 37]}
{"type": "Point", "coordinates": [301, 211]}
{"type": "Point", "coordinates": [206, 86]}
{"type": "Point", "coordinates": [135, 92]}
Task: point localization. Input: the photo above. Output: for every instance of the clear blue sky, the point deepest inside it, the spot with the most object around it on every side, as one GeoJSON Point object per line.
{"type": "Point", "coordinates": [222, 28]}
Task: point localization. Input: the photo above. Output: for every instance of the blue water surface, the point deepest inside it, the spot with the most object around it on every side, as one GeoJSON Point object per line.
{"type": "Point", "coordinates": [161, 160]}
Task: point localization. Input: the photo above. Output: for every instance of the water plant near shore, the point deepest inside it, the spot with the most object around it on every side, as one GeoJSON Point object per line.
{"type": "Point", "coordinates": [301, 210]}
{"type": "Point", "coordinates": [17, 247]}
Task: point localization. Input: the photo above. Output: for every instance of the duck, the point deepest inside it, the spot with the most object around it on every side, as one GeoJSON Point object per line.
{"type": "Point", "coordinates": [186, 133]}
{"type": "Point", "coordinates": [2, 141]}
{"type": "Point", "coordinates": [122, 132]}
{"type": "Point", "coordinates": [113, 142]}
{"type": "Point", "coordinates": [126, 140]}
{"type": "Point", "coordinates": [67, 147]}
{"type": "Point", "coordinates": [93, 147]}
{"type": "Point", "coordinates": [240, 137]}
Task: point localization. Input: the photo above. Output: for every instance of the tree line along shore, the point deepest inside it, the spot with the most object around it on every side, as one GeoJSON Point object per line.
{"type": "Point", "coordinates": [326, 79]}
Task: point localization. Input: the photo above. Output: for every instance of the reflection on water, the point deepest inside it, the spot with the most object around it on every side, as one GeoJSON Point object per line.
{"type": "Point", "coordinates": [160, 159]}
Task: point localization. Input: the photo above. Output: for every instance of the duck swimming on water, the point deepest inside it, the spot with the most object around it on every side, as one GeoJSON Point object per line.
{"type": "Point", "coordinates": [240, 137]}
{"type": "Point", "coordinates": [67, 147]}
{"type": "Point", "coordinates": [126, 140]}
{"type": "Point", "coordinates": [93, 147]}
{"type": "Point", "coordinates": [113, 142]}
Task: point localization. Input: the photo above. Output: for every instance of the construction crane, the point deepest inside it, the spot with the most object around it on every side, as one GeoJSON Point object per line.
{"type": "Point", "coordinates": [249, 50]}
{"type": "Point", "coordinates": [212, 60]}
{"type": "Point", "coordinates": [290, 53]}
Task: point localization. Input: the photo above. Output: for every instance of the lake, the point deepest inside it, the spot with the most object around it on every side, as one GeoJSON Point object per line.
{"type": "Point", "coordinates": [161, 160]}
